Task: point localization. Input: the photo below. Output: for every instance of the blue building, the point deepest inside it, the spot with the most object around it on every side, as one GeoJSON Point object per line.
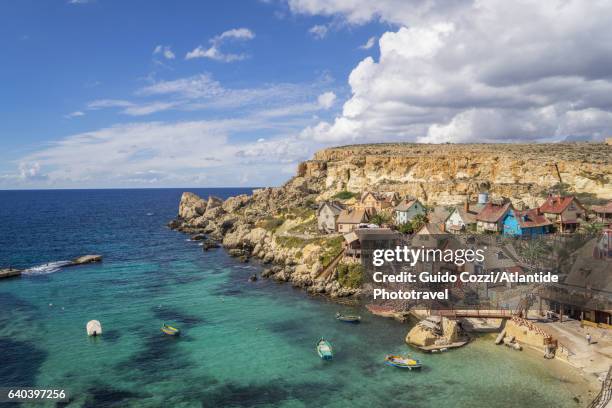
{"type": "Point", "coordinates": [527, 223]}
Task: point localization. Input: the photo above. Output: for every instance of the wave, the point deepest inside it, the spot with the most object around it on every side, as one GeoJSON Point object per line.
{"type": "Point", "coordinates": [45, 269]}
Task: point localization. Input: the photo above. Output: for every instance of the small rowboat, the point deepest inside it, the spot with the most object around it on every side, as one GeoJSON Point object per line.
{"type": "Point", "coordinates": [324, 350]}
{"type": "Point", "coordinates": [348, 318]}
{"type": "Point", "coordinates": [402, 362]}
{"type": "Point", "coordinates": [170, 331]}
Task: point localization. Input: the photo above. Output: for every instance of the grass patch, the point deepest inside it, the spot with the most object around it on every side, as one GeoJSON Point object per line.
{"type": "Point", "coordinates": [331, 248]}
{"type": "Point", "coordinates": [345, 195]}
{"type": "Point", "coordinates": [350, 275]}
{"type": "Point", "coordinates": [270, 223]}
{"type": "Point", "coordinates": [292, 242]}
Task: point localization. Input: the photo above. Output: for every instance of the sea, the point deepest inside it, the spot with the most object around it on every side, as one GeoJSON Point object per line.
{"type": "Point", "coordinates": [243, 344]}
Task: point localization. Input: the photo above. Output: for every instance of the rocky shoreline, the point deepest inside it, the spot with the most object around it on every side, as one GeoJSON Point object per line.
{"type": "Point", "coordinates": [256, 227]}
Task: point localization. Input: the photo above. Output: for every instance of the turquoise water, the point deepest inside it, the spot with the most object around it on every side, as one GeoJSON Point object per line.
{"type": "Point", "coordinates": [244, 344]}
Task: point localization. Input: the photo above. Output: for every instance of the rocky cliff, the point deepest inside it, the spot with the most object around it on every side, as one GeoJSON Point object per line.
{"type": "Point", "coordinates": [278, 225]}
{"type": "Point", "coordinates": [448, 173]}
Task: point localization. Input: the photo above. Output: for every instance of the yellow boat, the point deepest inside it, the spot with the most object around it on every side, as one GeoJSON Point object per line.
{"type": "Point", "coordinates": [402, 362]}
{"type": "Point", "coordinates": [169, 330]}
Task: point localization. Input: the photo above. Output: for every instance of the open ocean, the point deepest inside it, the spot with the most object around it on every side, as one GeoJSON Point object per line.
{"type": "Point", "coordinates": [244, 344]}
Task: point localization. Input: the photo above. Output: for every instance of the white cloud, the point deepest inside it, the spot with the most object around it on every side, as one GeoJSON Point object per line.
{"type": "Point", "coordinates": [368, 44]}
{"type": "Point", "coordinates": [74, 114]}
{"type": "Point", "coordinates": [326, 100]}
{"type": "Point", "coordinates": [163, 154]}
{"type": "Point", "coordinates": [476, 71]}
{"type": "Point", "coordinates": [165, 51]}
{"type": "Point", "coordinates": [108, 103]}
{"type": "Point", "coordinates": [80, 1]}
{"type": "Point", "coordinates": [318, 31]}
{"type": "Point", "coordinates": [148, 108]}
{"type": "Point", "coordinates": [214, 51]}
{"type": "Point", "coordinates": [131, 108]}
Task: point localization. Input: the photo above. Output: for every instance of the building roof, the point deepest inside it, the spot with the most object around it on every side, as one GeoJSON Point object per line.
{"type": "Point", "coordinates": [557, 204]}
{"type": "Point", "coordinates": [492, 211]}
{"type": "Point", "coordinates": [377, 233]}
{"type": "Point", "coordinates": [430, 229]}
{"type": "Point", "coordinates": [531, 218]}
{"type": "Point", "coordinates": [348, 216]}
{"type": "Point", "coordinates": [388, 196]}
{"type": "Point", "coordinates": [362, 234]}
{"type": "Point", "coordinates": [438, 215]}
{"type": "Point", "coordinates": [603, 209]}
{"type": "Point", "coordinates": [405, 204]}
{"type": "Point", "coordinates": [469, 216]}
{"type": "Point", "coordinates": [351, 237]}
{"type": "Point", "coordinates": [334, 206]}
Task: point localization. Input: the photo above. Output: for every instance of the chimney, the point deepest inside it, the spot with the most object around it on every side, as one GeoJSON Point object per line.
{"type": "Point", "coordinates": [466, 206]}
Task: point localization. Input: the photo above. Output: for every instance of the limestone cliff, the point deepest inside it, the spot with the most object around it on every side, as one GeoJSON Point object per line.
{"type": "Point", "coordinates": [278, 225]}
{"type": "Point", "coordinates": [448, 173]}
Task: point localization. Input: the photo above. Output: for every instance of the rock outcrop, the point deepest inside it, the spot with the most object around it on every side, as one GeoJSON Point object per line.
{"type": "Point", "coordinates": [448, 173]}
{"type": "Point", "coordinates": [85, 259]}
{"type": "Point", "coordinates": [274, 224]}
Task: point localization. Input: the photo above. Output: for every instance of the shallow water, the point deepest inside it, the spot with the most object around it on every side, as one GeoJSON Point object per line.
{"type": "Point", "coordinates": [244, 344]}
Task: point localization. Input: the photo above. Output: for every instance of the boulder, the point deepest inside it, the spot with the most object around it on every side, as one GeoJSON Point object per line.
{"type": "Point", "coordinates": [213, 213]}
{"type": "Point", "coordinates": [421, 336]}
{"type": "Point", "coordinates": [208, 244]}
{"type": "Point", "coordinates": [233, 204]}
{"type": "Point", "coordinates": [191, 206]}
{"type": "Point", "coordinates": [174, 224]}
{"type": "Point", "coordinates": [213, 202]}
{"type": "Point", "coordinates": [235, 252]}
{"type": "Point", "coordinates": [198, 237]}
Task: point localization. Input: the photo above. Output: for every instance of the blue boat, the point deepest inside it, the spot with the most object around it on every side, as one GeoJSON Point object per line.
{"type": "Point", "coordinates": [348, 318]}
{"type": "Point", "coordinates": [325, 350]}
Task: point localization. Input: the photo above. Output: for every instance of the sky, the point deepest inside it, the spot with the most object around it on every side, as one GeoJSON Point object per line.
{"type": "Point", "coordinates": [116, 94]}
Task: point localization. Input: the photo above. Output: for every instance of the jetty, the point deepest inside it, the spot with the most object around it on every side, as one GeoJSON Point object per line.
{"type": "Point", "coordinates": [85, 259]}
{"type": "Point", "coordinates": [9, 273]}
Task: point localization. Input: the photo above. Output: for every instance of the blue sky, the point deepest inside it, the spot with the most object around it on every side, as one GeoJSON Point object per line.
{"type": "Point", "coordinates": [105, 93]}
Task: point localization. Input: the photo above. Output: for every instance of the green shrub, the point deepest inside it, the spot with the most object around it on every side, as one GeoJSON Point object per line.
{"type": "Point", "coordinates": [380, 218]}
{"type": "Point", "coordinates": [292, 242]}
{"type": "Point", "coordinates": [350, 275]}
{"type": "Point", "coordinates": [345, 195]}
{"type": "Point", "coordinates": [331, 248]}
{"type": "Point", "coordinates": [271, 223]}
{"type": "Point", "coordinates": [405, 228]}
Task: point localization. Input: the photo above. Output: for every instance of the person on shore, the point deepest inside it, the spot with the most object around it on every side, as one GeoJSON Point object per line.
{"type": "Point", "coordinates": [589, 338]}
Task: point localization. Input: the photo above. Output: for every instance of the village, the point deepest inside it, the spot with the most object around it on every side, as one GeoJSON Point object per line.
{"type": "Point", "coordinates": [561, 234]}
{"type": "Point", "coordinates": [384, 220]}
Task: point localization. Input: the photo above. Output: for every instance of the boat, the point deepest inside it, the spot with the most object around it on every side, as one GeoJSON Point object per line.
{"type": "Point", "coordinates": [348, 318]}
{"type": "Point", "coordinates": [402, 362]}
{"type": "Point", "coordinates": [94, 328]}
{"type": "Point", "coordinates": [169, 330]}
{"type": "Point", "coordinates": [324, 349]}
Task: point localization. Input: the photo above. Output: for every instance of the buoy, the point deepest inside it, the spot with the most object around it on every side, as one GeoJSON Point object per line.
{"type": "Point", "coordinates": [94, 328]}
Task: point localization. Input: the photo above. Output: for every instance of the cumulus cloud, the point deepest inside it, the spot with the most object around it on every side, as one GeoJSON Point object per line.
{"type": "Point", "coordinates": [318, 31]}
{"type": "Point", "coordinates": [164, 51]}
{"type": "Point", "coordinates": [368, 44]}
{"type": "Point", "coordinates": [475, 71]}
{"type": "Point", "coordinates": [214, 51]}
{"type": "Point", "coordinates": [326, 100]}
